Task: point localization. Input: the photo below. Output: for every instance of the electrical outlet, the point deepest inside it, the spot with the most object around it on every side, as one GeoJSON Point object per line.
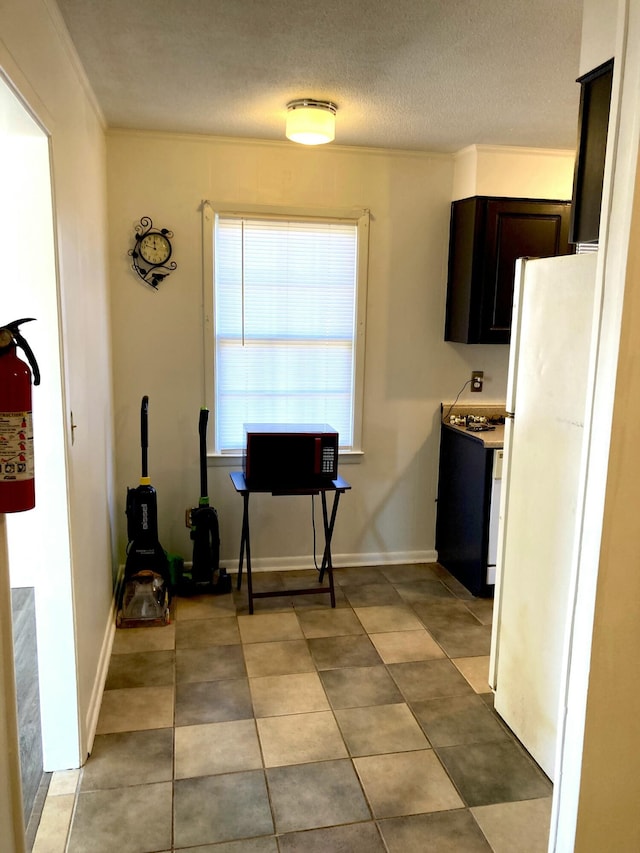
{"type": "Point", "coordinates": [477, 380]}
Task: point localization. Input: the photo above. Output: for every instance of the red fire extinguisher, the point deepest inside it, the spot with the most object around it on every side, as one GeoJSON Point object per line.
{"type": "Point", "coordinates": [17, 483]}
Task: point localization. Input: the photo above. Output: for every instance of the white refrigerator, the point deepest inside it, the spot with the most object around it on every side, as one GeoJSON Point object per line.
{"type": "Point", "coordinates": [546, 397]}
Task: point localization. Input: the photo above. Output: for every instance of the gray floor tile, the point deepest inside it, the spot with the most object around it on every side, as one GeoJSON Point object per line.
{"type": "Point", "coordinates": [303, 579]}
{"type": "Point", "coordinates": [99, 827]}
{"type": "Point", "coordinates": [213, 702]}
{"type": "Point", "coordinates": [330, 622]}
{"type": "Point", "coordinates": [224, 691]}
{"type": "Point", "coordinates": [312, 602]}
{"type": "Point", "coordinates": [404, 783]}
{"type": "Point", "coordinates": [127, 709]}
{"type": "Point", "coordinates": [192, 634]}
{"type": "Point", "coordinates": [380, 728]}
{"type": "Point", "coordinates": [269, 627]}
{"type": "Point", "coordinates": [488, 699]}
{"type": "Point", "coordinates": [300, 738]}
{"type": "Point", "coordinates": [358, 575]}
{"type": "Point", "coordinates": [213, 663]}
{"type": "Point", "coordinates": [428, 679]}
{"type": "Point", "coordinates": [498, 772]}
{"type": "Point", "coordinates": [389, 617]}
{"type": "Point", "coordinates": [369, 595]}
{"type": "Point", "coordinates": [53, 827]}
{"type": "Point", "coordinates": [445, 614]}
{"type": "Point", "coordinates": [281, 604]}
{"type": "Point", "coordinates": [205, 607]}
{"type": "Point", "coordinates": [444, 832]}
{"type": "Point", "coordinates": [458, 589]}
{"type": "Point", "coordinates": [129, 758]}
{"type": "Point", "coordinates": [521, 826]}
{"type": "Point", "coordinates": [266, 844]}
{"type": "Point", "coordinates": [404, 646]}
{"type": "Point", "coordinates": [422, 590]}
{"type": "Point", "coordinates": [458, 720]}
{"type": "Point", "coordinates": [309, 796]}
{"type": "Point", "coordinates": [247, 845]}
{"type": "Point", "coordinates": [141, 669]}
{"type": "Point", "coordinates": [475, 670]}
{"type": "Point", "coordinates": [231, 806]}
{"type": "Point", "coordinates": [284, 658]}
{"type": "Point", "coordinates": [355, 838]}
{"type": "Point", "coordinates": [462, 640]}
{"type": "Point", "coordinates": [213, 748]}
{"type": "Point", "coordinates": [262, 581]}
{"type": "Point", "coordinates": [161, 638]}
{"type": "Point", "coordinates": [411, 573]}
{"type": "Point", "coordinates": [359, 686]}
{"type": "Point", "coordinates": [482, 609]}
{"type": "Point", "coordinates": [334, 652]}
{"type": "Point", "coordinates": [297, 693]}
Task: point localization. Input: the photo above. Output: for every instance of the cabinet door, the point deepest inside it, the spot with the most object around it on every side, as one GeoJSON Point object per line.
{"type": "Point", "coordinates": [516, 229]}
{"type": "Point", "coordinates": [462, 521]}
{"type": "Point", "coordinates": [487, 235]}
{"type": "Point", "coordinates": [595, 99]}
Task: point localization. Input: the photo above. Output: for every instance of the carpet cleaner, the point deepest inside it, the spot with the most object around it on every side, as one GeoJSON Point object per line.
{"type": "Point", "coordinates": [206, 575]}
{"type": "Point", "coordinates": [146, 588]}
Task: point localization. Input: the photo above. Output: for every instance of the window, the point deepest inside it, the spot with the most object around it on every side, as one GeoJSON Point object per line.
{"type": "Point", "coordinates": [287, 326]}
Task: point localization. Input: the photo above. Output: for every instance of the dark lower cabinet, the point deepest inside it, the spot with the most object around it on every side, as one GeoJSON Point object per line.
{"type": "Point", "coordinates": [464, 503]}
{"type": "Point", "coordinates": [487, 236]}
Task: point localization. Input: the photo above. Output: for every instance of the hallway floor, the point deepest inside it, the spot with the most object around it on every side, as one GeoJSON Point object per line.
{"type": "Point", "coordinates": [304, 729]}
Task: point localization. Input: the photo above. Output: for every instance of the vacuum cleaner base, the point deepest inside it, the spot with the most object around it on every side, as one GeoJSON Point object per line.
{"type": "Point", "coordinates": [145, 599]}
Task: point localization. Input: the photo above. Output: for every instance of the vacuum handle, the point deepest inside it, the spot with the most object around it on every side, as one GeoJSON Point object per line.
{"type": "Point", "coordinates": [144, 435]}
{"type": "Point", "coordinates": [202, 431]}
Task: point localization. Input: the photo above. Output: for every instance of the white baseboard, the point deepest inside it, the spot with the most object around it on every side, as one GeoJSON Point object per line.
{"type": "Point", "coordinates": [284, 564]}
{"type": "Point", "coordinates": [93, 712]}
{"type": "Point", "coordinates": [289, 564]}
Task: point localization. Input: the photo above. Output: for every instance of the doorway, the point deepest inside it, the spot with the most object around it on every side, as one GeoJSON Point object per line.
{"type": "Point", "coordinates": [38, 541]}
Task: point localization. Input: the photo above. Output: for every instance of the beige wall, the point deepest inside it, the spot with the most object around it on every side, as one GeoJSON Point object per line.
{"type": "Point", "coordinates": [600, 19]}
{"type": "Point", "coordinates": [39, 63]}
{"type": "Point", "coordinates": [157, 337]}
{"type": "Point", "coordinates": [611, 781]}
{"type": "Point", "coordinates": [518, 172]}
{"type": "Point", "coordinates": [390, 514]}
{"type": "Point", "coordinates": [599, 784]}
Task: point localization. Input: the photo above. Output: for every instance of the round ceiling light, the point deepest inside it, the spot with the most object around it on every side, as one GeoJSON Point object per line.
{"type": "Point", "coordinates": [311, 122]}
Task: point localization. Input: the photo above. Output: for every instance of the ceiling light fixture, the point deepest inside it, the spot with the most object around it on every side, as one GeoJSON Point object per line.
{"type": "Point", "coordinates": [311, 122]}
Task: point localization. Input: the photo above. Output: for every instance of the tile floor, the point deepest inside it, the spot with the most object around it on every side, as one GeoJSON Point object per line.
{"type": "Point", "coordinates": [365, 728]}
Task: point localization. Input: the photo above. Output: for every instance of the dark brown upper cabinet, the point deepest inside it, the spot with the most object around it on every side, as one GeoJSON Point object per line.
{"type": "Point", "coordinates": [588, 176]}
{"type": "Point", "coordinates": [487, 235]}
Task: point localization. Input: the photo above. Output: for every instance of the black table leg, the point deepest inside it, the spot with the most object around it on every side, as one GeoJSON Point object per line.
{"type": "Point", "coordinates": [245, 548]}
{"type": "Point", "coordinates": [328, 533]}
{"type": "Point", "coordinates": [247, 545]}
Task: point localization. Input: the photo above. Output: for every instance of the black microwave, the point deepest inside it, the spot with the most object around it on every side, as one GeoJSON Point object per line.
{"type": "Point", "coordinates": [280, 457]}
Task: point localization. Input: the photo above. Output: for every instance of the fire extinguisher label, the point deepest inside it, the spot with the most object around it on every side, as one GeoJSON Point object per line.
{"type": "Point", "coordinates": [16, 446]}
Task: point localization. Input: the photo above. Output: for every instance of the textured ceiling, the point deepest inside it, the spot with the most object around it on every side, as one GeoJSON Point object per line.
{"type": "Point", "coordinates": [433, 75]}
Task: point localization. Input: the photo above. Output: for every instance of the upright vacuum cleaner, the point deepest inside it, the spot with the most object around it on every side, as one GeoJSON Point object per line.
{"type": "Point", "coordinates": [146, 589]}
{"type": "Point", "coordinates": [206, 574]}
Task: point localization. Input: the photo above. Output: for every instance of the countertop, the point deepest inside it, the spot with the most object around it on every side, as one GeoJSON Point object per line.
{"type": "Point", "coordinates": [492, 439]}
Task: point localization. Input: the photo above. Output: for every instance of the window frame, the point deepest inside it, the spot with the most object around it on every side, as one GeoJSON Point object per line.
{"type": "Point", "coordinates": [358, 217]}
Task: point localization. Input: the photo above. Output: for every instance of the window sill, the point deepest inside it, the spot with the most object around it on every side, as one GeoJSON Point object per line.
{"type": "Point", "coordinates": [220, 460]}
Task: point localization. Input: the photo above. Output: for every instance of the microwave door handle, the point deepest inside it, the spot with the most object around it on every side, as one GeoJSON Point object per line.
{"type": "Point", "coordinates": [317, 456]}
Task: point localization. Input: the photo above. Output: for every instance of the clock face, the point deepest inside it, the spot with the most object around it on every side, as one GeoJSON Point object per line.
{"type": "Point", "coordinates": [154, 248]}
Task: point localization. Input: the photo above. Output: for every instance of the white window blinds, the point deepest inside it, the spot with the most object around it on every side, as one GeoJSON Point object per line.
{"type": "Point", "coordinates": [285, 299]}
